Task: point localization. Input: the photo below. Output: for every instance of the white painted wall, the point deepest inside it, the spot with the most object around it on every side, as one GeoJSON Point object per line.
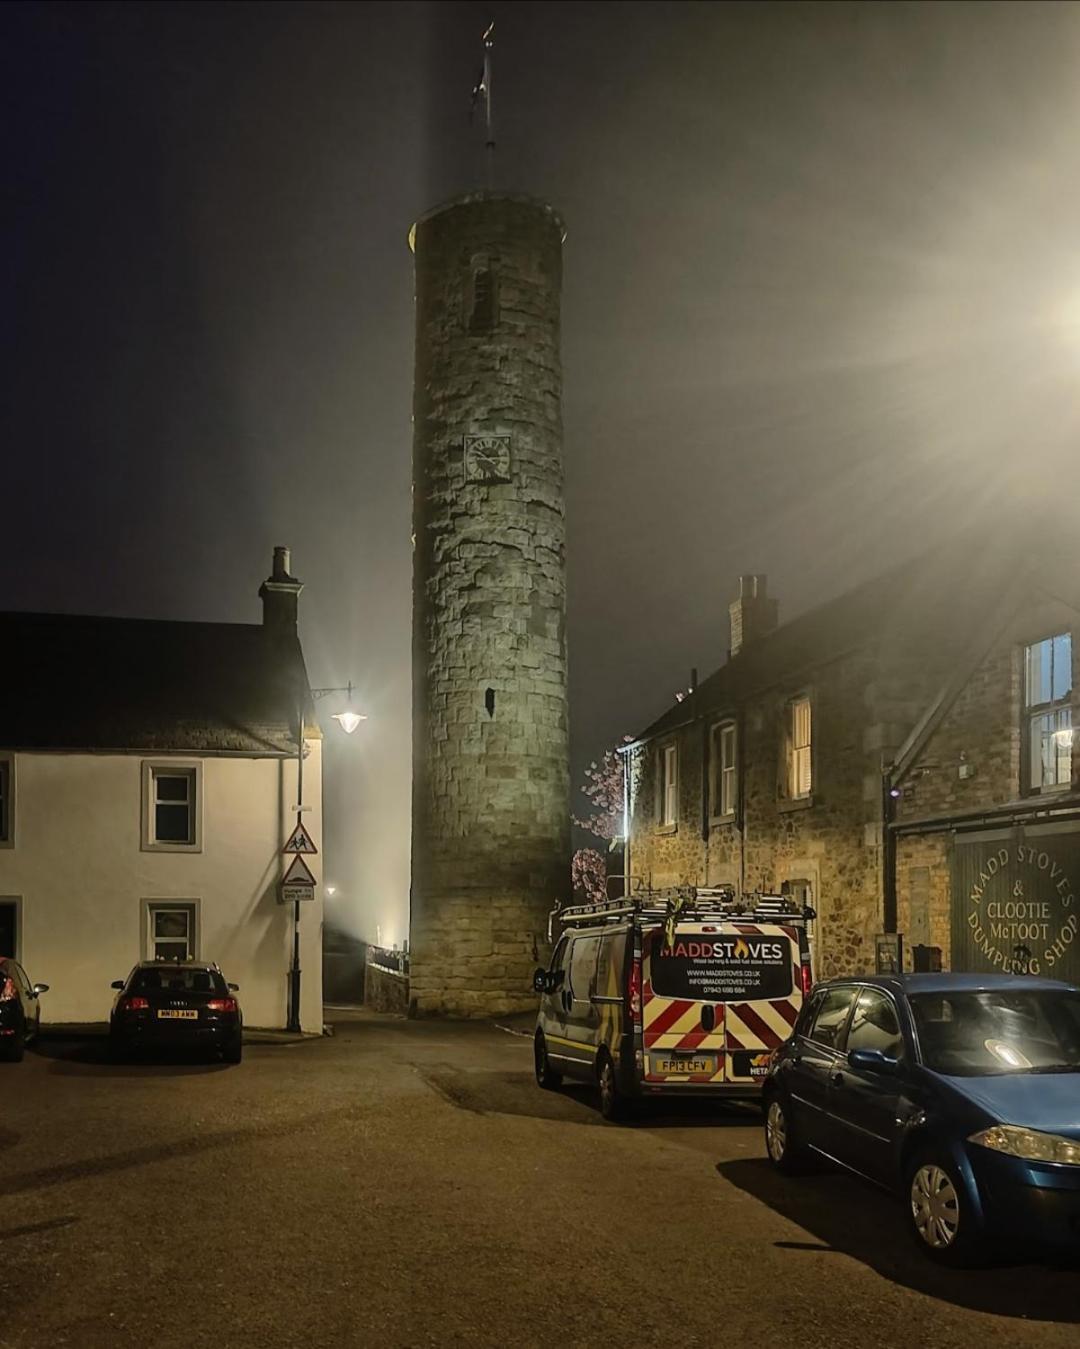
{"type": "Point", "coordinates": [80, 872]}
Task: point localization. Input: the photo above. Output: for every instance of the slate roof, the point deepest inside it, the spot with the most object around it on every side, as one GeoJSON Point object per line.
{"type": "Point", "coordinates": [938, 603]}
{"type": "Point", "coordinates": [69, 682]}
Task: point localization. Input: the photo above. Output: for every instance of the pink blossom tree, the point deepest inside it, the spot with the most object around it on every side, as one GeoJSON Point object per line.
{"type": "Point", "coordinates": [588, 872]}
{"type": "Point", "coordinates": [603, 786]}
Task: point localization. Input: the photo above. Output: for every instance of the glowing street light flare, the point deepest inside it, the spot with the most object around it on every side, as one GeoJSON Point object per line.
{"type": "Point", "coordinates": [349, 720]}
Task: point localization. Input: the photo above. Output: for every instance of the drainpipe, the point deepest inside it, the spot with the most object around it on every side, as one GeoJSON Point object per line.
{"type": "Point", "coordinates": [740, 768]}
{"type": "Point", "coordinates": [889, 795]}
{"type": "Point", "coordinates": [623, 754]}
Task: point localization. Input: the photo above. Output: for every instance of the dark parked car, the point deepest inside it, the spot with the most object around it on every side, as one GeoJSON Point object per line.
{"type": "Point", "coordinates": [20, 1010]}
{"type": "Point", "coordinates": [962, 1091]}
{"type": "Point", "coordinates": [176, 1004]}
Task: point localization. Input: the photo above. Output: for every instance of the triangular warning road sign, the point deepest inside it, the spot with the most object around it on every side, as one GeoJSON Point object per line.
{"type": "Point", "coordinates": [299, 841]}
{"type": "Point", "coordinates": [298, 873]}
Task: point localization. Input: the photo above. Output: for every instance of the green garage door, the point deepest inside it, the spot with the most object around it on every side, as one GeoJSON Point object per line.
{"type": "Point", "coordinates": [1016, 902]}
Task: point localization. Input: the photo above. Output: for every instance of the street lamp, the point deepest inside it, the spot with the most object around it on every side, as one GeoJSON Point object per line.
{"type": "Point", "coordinates": [348, 721]}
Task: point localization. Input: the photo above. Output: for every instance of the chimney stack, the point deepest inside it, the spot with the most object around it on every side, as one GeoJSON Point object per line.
{"type": "Point", "coordinates": [279, 594]}
{"type": "Point", "coordinates": [753, 614]}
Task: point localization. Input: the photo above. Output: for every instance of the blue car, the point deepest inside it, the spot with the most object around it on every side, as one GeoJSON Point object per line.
{"type": "Point", "coordinates": [961, 1091]}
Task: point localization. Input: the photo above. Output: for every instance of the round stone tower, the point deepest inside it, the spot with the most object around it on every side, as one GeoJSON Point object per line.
{"type": "Point", "coordinates": [491, 803]}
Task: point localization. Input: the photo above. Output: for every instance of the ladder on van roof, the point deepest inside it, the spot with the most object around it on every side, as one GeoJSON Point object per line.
{"type": "Point", "coordinates": [684, 901]}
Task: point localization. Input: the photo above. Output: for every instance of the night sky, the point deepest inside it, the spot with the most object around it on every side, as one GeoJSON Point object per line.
{"type": "Point", "coordinates": [821, 308]}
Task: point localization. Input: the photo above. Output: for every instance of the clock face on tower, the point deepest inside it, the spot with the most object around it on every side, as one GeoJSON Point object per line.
{"type": "Point", "coordinates": [487, 458]}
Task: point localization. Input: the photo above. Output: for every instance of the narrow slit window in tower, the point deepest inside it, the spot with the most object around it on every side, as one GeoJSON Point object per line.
{"type": "Point", "coordinates": [489, 702]}
{"type": "Point", "coordinates": [482, 315]}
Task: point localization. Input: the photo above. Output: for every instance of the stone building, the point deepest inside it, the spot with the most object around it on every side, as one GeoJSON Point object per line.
{"type": "Point", "coordinates": [491, 811]}
{"type": "Point", "coordinates": [899, 756]}
{"type": "Point", "coordinates": [148, 778]}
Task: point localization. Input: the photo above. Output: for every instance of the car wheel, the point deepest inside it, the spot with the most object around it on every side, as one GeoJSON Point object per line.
{"type": "Point", "coordinates": [613, 1104]}
{"type": "Point", "coordinates": [943, 1219]}
{"type": "Point", "coordinates": [546, 1076]}
{"type": "Point", "coordinates": [782, 1142]}
{"type": "Point", "coordinates": [233, 1053]}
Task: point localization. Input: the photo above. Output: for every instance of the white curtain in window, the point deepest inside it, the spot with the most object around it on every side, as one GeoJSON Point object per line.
{"type": "Point", "coordinates": [801, 769]}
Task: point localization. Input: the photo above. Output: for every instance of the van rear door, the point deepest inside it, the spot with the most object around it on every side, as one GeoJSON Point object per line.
{"type": "Point", "coordinates": [718, 1000]}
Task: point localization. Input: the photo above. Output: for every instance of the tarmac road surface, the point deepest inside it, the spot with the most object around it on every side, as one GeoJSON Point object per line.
{"type": "Point", "coordinates": [406, 1183]}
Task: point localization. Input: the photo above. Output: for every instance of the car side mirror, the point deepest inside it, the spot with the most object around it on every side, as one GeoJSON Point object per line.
{"type": "Point", "coordinates": [234, 988]}
{"type": "Point", "coordinates": [873, 1061]}
{"type": "Point", "coordinates": [547, 981]}
{"type": "Point", "coordinates": [39, 989]}
{"type": "Point", "coordinates": [117, 983]}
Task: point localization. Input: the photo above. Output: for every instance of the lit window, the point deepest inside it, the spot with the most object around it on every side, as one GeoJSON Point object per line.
{"type": "Point", "coordinates": [171, 807]}
{"type": "Point", "coordinates": [800, 767]}
{"type": "Point", "coordinates": [723, 783]}
{"type": "Point", "coordinates": [1048, 713]}
{"type": "Point", "coordinates": [669, 784]}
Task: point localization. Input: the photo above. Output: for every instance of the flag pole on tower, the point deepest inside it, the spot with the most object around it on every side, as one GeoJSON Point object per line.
{"type": "Point", "coordinates": [482, 89]}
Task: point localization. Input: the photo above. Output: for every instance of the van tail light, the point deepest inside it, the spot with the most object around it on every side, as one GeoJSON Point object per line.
{"type": "Point", "coordinates": [635, 992]}
{"type": "Point", "coordinates": [806, 980]}
{"type": "Point", "coordinates": [221, 1005]}
{"type": "Point", "coordinates": [134, 1004]}
{"type": "Point", "coordinates": [7, 991]}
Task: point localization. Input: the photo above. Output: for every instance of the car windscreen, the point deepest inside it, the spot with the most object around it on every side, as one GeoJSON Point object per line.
{"type": "Point", "coordinates": [972, 1034]}
{"type": "Point", "coordinates": [173, 980]}
{"type": "Point", "coordinates": [721, 967]}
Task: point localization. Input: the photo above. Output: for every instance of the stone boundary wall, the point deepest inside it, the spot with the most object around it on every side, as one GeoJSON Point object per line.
{"type": "Point", "coordinates": [385, 990]}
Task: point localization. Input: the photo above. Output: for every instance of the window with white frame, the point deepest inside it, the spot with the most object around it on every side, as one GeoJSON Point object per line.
{"type": "Point", "coordinates": [1048, 730]}
{"type": "Point", "coordinates": [669, 784]}
{"type": "Point", "coordinates": [170, 930]}
{"type": "Point", "coordinates": [171, 807]}
{"type": "Point", "coordinates": [723, 782]}
{"type": "Point", "coordinates": [7, 801]}
{"type": "Point", "coordinates": [800, 771]}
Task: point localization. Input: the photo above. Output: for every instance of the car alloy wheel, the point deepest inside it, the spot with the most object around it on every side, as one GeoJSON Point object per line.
{"type": "Point", "coordinates": [776, 1132]}
{"type": "Point", "coordinates": [607, 1088]}
{"type": "Point", "coordinates": [935, 1207]}
{"type": "Point", "coordinates": [612, 1103]}
{"type": "Point", "coordinates": [546, 1076]}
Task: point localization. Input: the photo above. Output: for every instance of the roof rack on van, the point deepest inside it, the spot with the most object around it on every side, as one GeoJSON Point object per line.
{"type": "Point", "coordinates": [684, 901]}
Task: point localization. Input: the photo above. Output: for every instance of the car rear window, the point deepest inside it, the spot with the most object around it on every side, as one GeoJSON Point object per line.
{"type": "Point", "coordinates": [721, 967]}
{"type": "Point", "coordinates": [184, 980]}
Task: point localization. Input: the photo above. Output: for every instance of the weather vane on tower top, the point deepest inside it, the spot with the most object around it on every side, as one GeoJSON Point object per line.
{"type": "Point", "coordinates": [482, 90]}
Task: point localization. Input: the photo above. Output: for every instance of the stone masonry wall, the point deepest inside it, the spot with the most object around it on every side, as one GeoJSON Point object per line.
{"type": "Point", "coordinates": [865, 705]}
{"type": "Point", "coordinates": [490, 739]}
{"type": "Point", "coordinates": [980, 733]}
{"type": "Point", "coordinates": [862, 705]}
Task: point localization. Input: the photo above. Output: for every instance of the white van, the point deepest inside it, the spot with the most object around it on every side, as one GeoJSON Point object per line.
{"type": "Point", "coordinates": [679, 992]}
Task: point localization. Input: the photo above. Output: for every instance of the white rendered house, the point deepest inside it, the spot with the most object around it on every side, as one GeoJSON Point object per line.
{"type": "Point", "coordinates": [148, 782]}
